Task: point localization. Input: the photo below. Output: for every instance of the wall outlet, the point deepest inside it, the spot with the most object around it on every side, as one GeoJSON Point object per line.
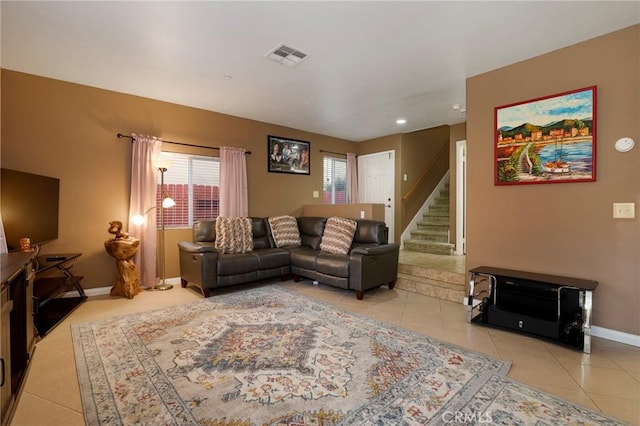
{"type": "Point", "coordinates": [316, 194]}
{"type": "Point", "coordinates": [361, 214]}
{"type": "Point", "coordinates": [405, 177]}
{"type": "Point", "coordinates": [624, 210]}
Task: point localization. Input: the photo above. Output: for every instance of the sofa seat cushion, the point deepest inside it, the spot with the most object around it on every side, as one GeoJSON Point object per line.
{"type": "Point", "coordinates": [336, 265]}
{"type": "Point", "coordinates": [338, 235]}
{"type": "Point", "coordinates": [304, 257]}
{"type": "Point", "coordinates": [232, 264]}
{"type": "Point", "coordinates": [272, 258]}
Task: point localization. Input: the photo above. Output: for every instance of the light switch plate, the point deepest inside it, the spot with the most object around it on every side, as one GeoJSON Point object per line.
{"type": "Point", "coordinates": [316, 194]}
{"type": "Point", "coordinates": [624, 210]}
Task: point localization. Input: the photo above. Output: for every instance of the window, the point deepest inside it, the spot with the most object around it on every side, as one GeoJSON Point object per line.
{"type": "Point", "coordinates": [193, 182]}
{"type": "Point", "coordinates": [335, 180]}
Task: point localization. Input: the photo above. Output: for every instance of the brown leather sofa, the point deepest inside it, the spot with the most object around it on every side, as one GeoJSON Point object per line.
{"type": "Point", "coordinates": [371, 261]}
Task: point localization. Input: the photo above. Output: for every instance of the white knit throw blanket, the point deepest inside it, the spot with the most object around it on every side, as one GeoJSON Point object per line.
{"type": "Point", "coordinates": [233, 235]}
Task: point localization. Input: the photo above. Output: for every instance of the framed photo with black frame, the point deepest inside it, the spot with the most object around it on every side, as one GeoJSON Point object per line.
{"type": "Point", "coordinates": [287, 155]}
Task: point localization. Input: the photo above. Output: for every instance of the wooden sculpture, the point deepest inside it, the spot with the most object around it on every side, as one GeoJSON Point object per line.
{"type": "Point", "coordinates": [123, 248]}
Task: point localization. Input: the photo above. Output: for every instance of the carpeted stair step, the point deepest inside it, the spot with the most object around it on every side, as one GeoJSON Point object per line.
{"type": "Point", "coordinates": [439, 235]}
{"type": "Point", "coordinates": [441, 201]}
{"type": "Point", "coordinates": [429, 219]}
{"type": "Point", "coordinates": [438, 215]}
{"type": "Point", "coordinates": [432, 284]}
{"type": "Point", "coordinates": [439, 209]}
{"type": "Point", "coordinates": [429, 246]}
{"type": "Point", "coordinates": [428, 226]}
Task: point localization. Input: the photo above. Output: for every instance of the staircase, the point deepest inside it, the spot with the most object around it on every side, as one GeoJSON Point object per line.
{"type": "Point", "coordinates": [432, 235]}
{"type": "Point", "coordinates": [431, 280]}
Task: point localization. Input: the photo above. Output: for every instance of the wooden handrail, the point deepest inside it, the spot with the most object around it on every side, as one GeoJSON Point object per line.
{"type": "Point", "coordinates": [424, 174]}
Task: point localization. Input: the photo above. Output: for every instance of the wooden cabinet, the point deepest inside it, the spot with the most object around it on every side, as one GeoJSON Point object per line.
{"type": "Point", "coordinates": [17, 333]}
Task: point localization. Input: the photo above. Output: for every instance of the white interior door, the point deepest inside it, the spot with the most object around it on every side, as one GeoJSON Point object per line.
{"type": "Point", "coordinates": [376, 183]}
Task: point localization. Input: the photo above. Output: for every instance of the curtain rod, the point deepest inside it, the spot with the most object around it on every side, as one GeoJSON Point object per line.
{"type": "Point", "coordinates": [331, 152]}
{"type": "Point", "coordinates": [120, 135]}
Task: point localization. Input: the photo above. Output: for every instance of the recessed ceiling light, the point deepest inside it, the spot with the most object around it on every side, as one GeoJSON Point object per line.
{"type": "Point", "coordinates": [401, 121]}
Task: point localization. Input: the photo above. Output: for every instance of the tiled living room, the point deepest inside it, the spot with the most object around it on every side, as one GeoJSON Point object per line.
{"type": "Point", "coordinates": [81, 81]}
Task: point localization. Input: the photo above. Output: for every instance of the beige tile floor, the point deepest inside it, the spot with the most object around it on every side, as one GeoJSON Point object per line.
{"type": "Point", "coordinates": [607, 380]}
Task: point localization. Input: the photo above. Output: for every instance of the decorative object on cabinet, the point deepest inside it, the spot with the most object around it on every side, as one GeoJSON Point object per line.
{"type": "Point", "coordinates": [123, 248]}
{"type": "Point", "coordinates": [288, 155]}
{"type": "Point", "coordinates": [547, 140]}
{"type": "Point", "coordinates": [49, 308]}
{"type": "Point", "coordinates": [551, 306]}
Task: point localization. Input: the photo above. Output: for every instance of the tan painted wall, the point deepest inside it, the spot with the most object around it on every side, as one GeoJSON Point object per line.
{"type": "Point", "coordinates": [422, 153]}
{"type": "Point", "coordinates": [354, 211]}
{"type": "Point", "coordinates": [564, 229]}
{"type": "Point", "coordinates": [69, 131]}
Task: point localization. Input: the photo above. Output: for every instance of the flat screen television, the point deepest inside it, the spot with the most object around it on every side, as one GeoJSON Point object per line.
{"type": "Point", "coordinates": [29, 207]}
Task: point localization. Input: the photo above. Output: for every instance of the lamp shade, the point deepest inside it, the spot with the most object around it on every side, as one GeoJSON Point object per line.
{"type": "Point", "coordinates": [168, 202]}
{"type": "Point", "coordinates": [137, 219]}
{"type": "Point", "coordinates": [162, 163]}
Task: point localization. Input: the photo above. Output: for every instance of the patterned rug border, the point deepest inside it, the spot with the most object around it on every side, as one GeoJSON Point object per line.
{"type": "Point", "coordinates": [478, 407]}
{"type": "Point", "coordinates": [468, 399]}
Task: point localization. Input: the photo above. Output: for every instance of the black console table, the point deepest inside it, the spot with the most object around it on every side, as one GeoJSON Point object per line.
{"type": "Point", "coordinates": [550, 306]}
{"type": "Point", "coordinates": [48, 308]}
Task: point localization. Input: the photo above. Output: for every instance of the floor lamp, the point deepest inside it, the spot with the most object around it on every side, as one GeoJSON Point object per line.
{"type": "Point", "coordinates": [167, 202]}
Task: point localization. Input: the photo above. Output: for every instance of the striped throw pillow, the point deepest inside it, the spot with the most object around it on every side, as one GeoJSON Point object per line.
{"type": "Point", "coordinates": [284, 230]}
{"type": "Point", "coordinates": [338, 235]}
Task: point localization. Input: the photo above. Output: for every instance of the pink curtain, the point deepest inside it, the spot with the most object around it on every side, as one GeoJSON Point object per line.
{"type": "Point", "coordinates": [3, 240]}
{"type": "Point", "coordinates": [234, 199]}
{"type": "Point", "coordinates": [146, 151]}
{"type": "Point", "coordinates": [352, 179]}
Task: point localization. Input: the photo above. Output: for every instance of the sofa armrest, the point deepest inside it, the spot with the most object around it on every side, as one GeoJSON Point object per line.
{"type": "Point", "coordinates": [196, 248]}
{"type": "Point", "coordinates": [373, 266]}
{"type": "Point", "coordinates": [376, 250]}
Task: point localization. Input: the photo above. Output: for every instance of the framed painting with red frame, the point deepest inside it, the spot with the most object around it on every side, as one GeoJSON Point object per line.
{"type": "Point", "coordinates": [547, 140]}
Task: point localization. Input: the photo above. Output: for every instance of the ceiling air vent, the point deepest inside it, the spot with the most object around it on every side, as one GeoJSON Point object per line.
{"type": "Point", "coordinates": [286, 55]}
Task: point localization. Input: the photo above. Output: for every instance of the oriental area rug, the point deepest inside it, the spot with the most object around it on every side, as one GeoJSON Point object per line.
{"type": "Point", "coordinates": [268, 356]}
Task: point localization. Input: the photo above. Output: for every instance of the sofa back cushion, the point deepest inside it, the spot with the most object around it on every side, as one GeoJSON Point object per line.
{"type": "Point", "coordinates": [371, 232]}
{"type": "Point", "coordinates": [311, 229]}
{"type": "Point", "coordinates": [204, 231]}
{"type": "Point", "coordinates": [260, 233]}
{"type": "Point", "coordinates": [284, 230]}
{"type": "Point", "coordinates": [338, 235]}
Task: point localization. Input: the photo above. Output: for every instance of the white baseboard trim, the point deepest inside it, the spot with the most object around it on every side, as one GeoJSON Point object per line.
{"type": "Point", "coordinates": [616, 336]}
{"type": "Point", "coordinates": [101, 291]}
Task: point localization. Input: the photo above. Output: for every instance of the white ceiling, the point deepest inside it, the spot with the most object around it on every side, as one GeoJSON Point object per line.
{"type": "Point", "coordinates": [369, 62]}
